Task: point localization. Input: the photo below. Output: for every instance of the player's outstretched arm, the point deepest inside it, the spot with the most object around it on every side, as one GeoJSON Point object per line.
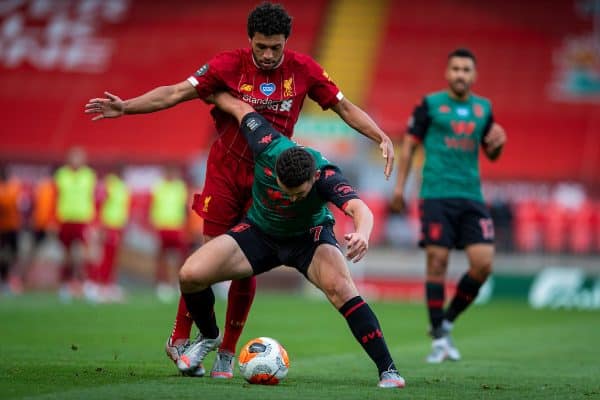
{"type": "Point", "coordinates": [494, 142]}
{"type": "Point", "coordinates": [157, 99]}
{"type": "Point", "coordinates": [360, 120]}
{"type": "Point", "coordinates": [231, 105]}
{"type": "Point", "coordinates": [358, 241]}
{"type": "Point", "coordinates": [407, 150]}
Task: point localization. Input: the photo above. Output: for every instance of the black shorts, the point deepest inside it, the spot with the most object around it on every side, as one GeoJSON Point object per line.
{"type": "Point", "coordinates": [10, 241]}
{"type": "Point", "coordinates": [454, 223]}
{"type": "Point", "coordinates": [39, 236]}
{"type": "Point", "coordinates": [265, 252]}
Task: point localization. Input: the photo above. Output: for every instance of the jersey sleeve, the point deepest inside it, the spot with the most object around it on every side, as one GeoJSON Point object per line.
{"type": "Point", "coordinates": [208, 79]}
{"type": "Point", "coordinates": [419, 121]}
{"type": "Point", "coordinates": [322, 89]}
{"type": "Point", "coordinates": [258, 132]}
{"type": "Point", "coordinates": [333, 186]}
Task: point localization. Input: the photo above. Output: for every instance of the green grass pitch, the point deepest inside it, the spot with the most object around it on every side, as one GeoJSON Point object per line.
{"type": "Point", "coordinates": [51, 350]}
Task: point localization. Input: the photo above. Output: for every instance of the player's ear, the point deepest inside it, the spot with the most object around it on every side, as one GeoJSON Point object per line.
{"type": "Point", "coordinates": [317, 174]}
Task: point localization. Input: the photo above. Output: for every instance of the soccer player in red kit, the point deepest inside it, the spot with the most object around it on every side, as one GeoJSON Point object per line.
{"type": "Point", "coordinates": [275, 81]}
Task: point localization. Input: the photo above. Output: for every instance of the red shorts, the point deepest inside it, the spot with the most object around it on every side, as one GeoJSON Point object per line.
{"type": "Point", "coordinates": [227, 192]}
{"type": "Point", "coordinates": [172, 239]}
{"type": "Point", "coordinates": [70, 232]}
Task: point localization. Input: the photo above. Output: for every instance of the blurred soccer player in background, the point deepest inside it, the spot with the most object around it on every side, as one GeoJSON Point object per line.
{"type": "Point", "coordinates": [451, 125]}
{"type": "Point", "coordinates": [75, 211]}
{"type": "Point", "coordinates": [113, 217]}
{"type": "Point", "coordinates": [168, 216]}
{"type": "Point", "coordinates": [11, 193]}
{"type": "Point", "coordinates": [275, 81]}
{"type": "Point", "coordinates": [288, 224]}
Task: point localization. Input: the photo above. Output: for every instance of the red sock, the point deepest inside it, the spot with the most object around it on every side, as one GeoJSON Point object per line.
{"type": "Point", "coordinates": [183, 322]}
{"type": "Point", "coordinates": [239, 301]}
{"type": "Point", "coordinates": [106, 271]}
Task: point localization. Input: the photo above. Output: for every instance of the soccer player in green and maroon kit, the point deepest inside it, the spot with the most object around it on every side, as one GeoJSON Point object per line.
{"type": "Point", "coordinates": [288, 224]}
{"type": "Point", "coordinates": [451, 125]}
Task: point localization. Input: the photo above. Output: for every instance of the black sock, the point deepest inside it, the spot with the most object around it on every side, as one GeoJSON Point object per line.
{"type": "Point", "coordinates": [434, 294]}
{"type": "Point", "coordinates": [466, 292]}
{"type": "Point", "coordinates": [365, 327]}
{"type": "Point", "coordinates": [201, 307]}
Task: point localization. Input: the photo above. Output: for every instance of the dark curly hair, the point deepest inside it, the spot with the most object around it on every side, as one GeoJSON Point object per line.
{"type": "Point", "coordinates": [269, 19]}
{"type": "Point", "coordinates": [295, 166]}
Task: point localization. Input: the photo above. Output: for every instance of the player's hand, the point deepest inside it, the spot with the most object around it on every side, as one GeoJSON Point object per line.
{"type": "Point", "coordinates": [357, 246]}
{"type": "Point", "coordinates": [387, 151]}
{"type": "Point", "coordinates": [110, 107]}
{"type": "Point", "coordinates": [495, 138]}
{"type": "Point", "coordinates": [397, 204]}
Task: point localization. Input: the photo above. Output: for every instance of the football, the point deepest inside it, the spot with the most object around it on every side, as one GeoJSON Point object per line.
{"type": "Point", "coordinates": [264, 361]}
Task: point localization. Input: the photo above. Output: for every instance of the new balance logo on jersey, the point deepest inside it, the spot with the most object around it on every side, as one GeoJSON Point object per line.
{"type": "Point", "coordinates": [286, 105]}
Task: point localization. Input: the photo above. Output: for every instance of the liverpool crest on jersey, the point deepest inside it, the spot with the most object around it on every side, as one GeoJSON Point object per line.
{"type": "Point", "coordinates": [288, 87]}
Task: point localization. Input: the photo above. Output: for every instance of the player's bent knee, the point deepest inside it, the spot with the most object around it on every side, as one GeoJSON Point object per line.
{"type": "Point", "coordinates": [339, 291]}
{"type": "Point", "coordinates": [190, 280]}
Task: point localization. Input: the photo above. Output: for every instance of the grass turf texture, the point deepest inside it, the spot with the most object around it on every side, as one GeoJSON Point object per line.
{"type": "Point", "coordinates": [80, 351]}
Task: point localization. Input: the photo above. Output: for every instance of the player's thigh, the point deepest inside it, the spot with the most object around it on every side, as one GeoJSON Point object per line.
{"type": "Point", "coordinates": [226, 195]}
{"type": "Point", "coordinates": [329, 272]}
{"type": "Point", "coordinates": [218, 260]}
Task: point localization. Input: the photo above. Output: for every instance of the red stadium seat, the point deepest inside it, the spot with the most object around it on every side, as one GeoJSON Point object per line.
{"type": "Point", "coordinates": [526, 226]}
{"type": "Point", "coordinates": [581, 235]}
{"type": "Point", "coordinates": [554, 227]}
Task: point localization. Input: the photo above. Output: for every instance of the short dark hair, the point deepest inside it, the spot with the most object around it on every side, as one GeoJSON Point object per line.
{"type": "Point", "coordinates": [295, 166]}
{"type": "Point", "coordinates": [269, 19]}
{"type": "Point", "coordinates": [463, 52]}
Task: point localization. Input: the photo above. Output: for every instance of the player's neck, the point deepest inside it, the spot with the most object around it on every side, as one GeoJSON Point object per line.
{"type": "Point", "coordinates": [459, 96]}
{"type": "Point", "coordinates": [272, 69]}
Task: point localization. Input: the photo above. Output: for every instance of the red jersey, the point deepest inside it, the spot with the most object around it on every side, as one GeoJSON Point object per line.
{"type": "Point", "coordinates": [277, 94]}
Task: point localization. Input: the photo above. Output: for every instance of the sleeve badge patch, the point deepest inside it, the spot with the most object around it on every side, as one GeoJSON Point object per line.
{"type": "Point", "coordinates": [202, 70]}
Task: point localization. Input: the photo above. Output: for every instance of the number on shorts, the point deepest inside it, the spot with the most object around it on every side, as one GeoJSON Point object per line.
{"type": "Point", "coordinates": [487, 228]}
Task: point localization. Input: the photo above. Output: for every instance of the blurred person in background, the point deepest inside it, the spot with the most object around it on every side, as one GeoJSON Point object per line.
{"type": "Point", "coordinates": [168, 216]}
{"type": "Point", "coordinates": [275, 81]}
{"type": "Point", "coordinates": [75, 212]}
{"type": "Point", "coordinates": [43, 227]}
{"type": "Point", "coordinates": [113, 217]}
{"type": "Point", "coordinates": [43, 210]}
{"type": "Point", "coordinates": [11, 221]}
{"type": "Point", "coordinates": [451, 125]}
